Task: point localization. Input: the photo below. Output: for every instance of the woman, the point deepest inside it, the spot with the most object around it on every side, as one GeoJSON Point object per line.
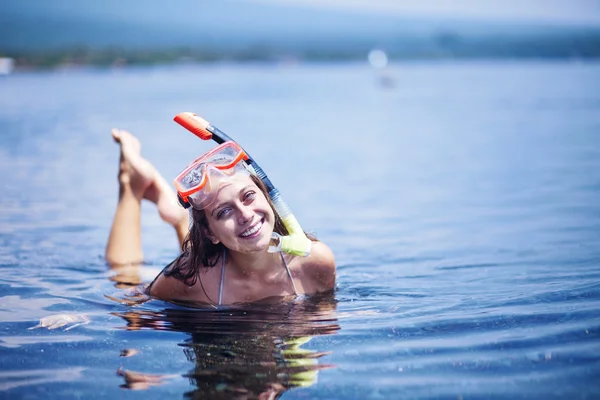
{"type": "Point", "coordinates": [225, 258]}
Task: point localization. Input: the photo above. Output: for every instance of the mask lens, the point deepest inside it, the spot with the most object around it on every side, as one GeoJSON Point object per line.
{"type": "Point", "coordinates": [194, 183]}
{"type": "Point", "coordinates": [193, 177]}
{"type": "Point", "coordinates": [214, 180]}
{"type": "Point", "coordinates": [204, 197]}
{"type": "Point", "coordinates": [224, 157]}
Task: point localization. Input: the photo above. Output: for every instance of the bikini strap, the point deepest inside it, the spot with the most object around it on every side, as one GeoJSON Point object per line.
{"type": "Point", "coordinates": [289, 273]}
{"type": "Point", "coordinates": [222, 277]}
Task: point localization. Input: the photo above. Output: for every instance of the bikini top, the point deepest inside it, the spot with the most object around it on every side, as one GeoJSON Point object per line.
{"type": "Point", "coordinates": [223, 275]}
{"type": "Point", "coordinates": [166, 272]}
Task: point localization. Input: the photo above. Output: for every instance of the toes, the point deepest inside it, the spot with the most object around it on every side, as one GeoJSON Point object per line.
{"type": "Point", "coordinates": [116, 134]}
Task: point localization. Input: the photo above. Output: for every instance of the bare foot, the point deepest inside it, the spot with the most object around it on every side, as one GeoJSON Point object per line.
{"type": "Point", "coordinates": [135, 172]}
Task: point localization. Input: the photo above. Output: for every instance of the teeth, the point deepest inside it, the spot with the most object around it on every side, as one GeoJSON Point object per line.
{"type": "Point", "coordinates": [252, 230]}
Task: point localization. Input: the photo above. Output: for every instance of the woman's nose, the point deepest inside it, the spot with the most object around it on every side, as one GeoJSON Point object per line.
{"type": "Point", "coordinates": [245, 213]}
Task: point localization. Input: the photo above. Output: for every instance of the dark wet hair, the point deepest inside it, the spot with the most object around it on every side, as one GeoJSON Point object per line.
{"type": "Point", "coordinates": [198, 251]}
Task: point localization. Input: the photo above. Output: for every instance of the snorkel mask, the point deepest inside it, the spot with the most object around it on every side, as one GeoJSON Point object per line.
{"type": "Point", "coordinates": [195, 184]}
{"type": "Point", "coordinates": [198, 184]}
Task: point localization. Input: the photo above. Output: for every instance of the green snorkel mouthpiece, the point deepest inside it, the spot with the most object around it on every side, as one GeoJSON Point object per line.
{"type": "Point", "coordinates": [296, 243]}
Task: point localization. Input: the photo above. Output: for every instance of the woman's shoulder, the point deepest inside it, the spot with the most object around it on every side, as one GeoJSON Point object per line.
{"type": "Point", "coordinates": [171, 286]}
{"type": "Point", "coordinates": [319, 266]}
{"type": "Point", "coordinates": [167, 287]}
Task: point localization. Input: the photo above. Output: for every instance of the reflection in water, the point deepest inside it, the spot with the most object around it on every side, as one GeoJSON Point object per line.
{"type": "Point", "coordinates": [128, 352]}
{"type": "Point", "coordinates": [253, 351]}
{"type": "Point", "coordinates": [139, 381]}
{"type": "Point", "coordinates": [126, 276]}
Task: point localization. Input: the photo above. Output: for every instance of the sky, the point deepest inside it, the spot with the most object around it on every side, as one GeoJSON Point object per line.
{"type": "Point", "coordinates": [343, 26]}
{"type": "Point", "coordinates": [586, 12]}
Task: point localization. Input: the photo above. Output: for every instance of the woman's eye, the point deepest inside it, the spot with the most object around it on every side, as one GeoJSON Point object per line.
{"type": "Point", "coordinates": [223, 212]}
{"type": "Point", "coordinates": [248, 196]}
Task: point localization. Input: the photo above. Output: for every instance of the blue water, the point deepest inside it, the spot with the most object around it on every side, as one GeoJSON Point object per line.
{"type": "Point", "coordinates": [461, 200]}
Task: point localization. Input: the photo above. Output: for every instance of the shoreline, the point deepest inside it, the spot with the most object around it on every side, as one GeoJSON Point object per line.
{"type": "Point", "coordinates": [108, 60]}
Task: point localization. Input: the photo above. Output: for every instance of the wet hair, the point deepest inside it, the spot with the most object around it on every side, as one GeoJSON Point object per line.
{"type": "Point", "coordinates": [198, 251]}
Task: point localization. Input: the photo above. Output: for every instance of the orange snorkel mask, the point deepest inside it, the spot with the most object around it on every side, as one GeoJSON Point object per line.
{"type": "Point", "coordinates": [198, 184]}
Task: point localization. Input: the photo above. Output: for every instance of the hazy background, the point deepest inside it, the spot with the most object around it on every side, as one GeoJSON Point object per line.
{"type": "Point", "coordinates": [458, 188]}
{"type": "Point", "coordinates": [112, 32]}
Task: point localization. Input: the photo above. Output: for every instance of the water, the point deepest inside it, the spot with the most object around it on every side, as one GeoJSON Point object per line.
{"type": "Point", "coordinates": [461, 199]}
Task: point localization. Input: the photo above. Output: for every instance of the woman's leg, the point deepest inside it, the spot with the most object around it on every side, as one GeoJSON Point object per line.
{"type": "Point", "coordinates": [165, 198]}
{"type": "Point", "coordinates": [138, 180]}
{"type": "Point", "coordinates": [135, 176]}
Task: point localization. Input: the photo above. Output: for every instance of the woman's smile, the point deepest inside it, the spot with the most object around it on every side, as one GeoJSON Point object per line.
{"type": "Point", "coordinates": [253, 231]}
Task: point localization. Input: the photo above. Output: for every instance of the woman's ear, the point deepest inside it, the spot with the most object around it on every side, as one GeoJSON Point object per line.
{"type": "Point", "coordinates": [208, 233]}
{"type": "Point", "coordinates": [214, 239]}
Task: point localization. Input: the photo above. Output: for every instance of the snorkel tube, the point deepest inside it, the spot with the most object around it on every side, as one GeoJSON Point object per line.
{"type": "Point", "coordinates": [296, 243]}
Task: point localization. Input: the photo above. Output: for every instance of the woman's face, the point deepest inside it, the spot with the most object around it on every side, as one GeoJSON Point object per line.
{"type": "Point", "coordinates": [240, 216]}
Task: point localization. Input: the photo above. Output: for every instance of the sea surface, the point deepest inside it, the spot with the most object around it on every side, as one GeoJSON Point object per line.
{"type": "Point", "coordinates": [461, 200]}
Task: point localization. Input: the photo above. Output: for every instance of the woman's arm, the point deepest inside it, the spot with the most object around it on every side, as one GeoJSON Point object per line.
{"type": "Point", "coordinates": [319, 267]}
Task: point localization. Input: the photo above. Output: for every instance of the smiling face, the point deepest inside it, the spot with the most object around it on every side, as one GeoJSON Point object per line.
{"type": "Point", "coordinates": [240, 216]}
